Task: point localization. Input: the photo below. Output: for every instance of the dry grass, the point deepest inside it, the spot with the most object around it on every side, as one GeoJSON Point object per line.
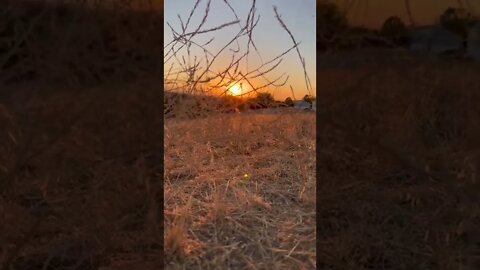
{"type": "Point", "coordinates": [215, 217]}
{"type": "Point", "coordinates": [239, 189]}
{"type": "Point", "coordinates": [398, 186]}
{"type": "Point", "coordinates": [80, 137]}
{"type": "Point", "coordinates": [80, 174]}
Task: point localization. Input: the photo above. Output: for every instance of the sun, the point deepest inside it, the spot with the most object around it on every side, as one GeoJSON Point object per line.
{"type": "Point", "coordinates": [235, 89]}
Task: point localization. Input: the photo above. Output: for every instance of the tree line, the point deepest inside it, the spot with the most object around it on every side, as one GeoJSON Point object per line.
{"type": "Point", "coordinates": [335, 32]}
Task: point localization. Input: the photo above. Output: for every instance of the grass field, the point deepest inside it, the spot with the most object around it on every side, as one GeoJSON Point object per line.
{"type": "Point", "coordinates": [398, 165]}
{"type": "Point", "coordinates": [80, 177]}
{"type": "Point", "coordinates": [239, 192]}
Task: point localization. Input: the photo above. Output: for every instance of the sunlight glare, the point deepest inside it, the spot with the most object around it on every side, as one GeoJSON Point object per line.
{"type": "Point", "coordinates": [235, 89]}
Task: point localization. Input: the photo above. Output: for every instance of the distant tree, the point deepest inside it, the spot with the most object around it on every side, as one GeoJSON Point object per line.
{"type": "Point", "coordinates": [265, 96]}
{"type": "Point", "coordinates": [263, 99]}
{"type": "Point", "coordinates": [289, 101]}
{"type": "Point", "coordinates": [394, 29]}
{"type": "Point", "coordinates": [330, 23]}
{"type": "Point", "coordinates": [456, 20]}
{"type": "Point", "coordinates": [309, 98]}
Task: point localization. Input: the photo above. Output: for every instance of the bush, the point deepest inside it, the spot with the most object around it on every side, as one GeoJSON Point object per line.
{"type": "Point", "coordinates": [394, 29]}
{"type": "Point", "coordinates": [289, 101]}
{"type": "Point", "coordinates": [309, 98]}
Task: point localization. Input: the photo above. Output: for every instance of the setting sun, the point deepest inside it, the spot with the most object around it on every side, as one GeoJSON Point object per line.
{"type": "Point", "coordinates": [235, 89]}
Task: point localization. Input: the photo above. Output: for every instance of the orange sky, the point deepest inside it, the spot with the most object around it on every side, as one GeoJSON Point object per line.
{"type": "Point", "coordinates": [372, 13]}
{"type": "Point", "coordinates": [271, 40]}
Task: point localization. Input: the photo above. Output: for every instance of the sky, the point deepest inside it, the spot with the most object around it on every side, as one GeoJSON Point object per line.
{"type": "Point", "coordinates": [372, 13]}
{"type": "Point", "coordinates": [270, 38]}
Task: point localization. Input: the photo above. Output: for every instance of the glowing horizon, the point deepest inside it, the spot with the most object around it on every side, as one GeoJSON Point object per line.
{"type": "Point", "coordinates": [270, 39]}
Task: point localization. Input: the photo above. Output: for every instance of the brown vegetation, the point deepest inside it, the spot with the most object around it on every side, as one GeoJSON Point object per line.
{"type": "Point", "coordinates": [398, 183]}
{"type": "Point", "coordinates": [80, 139]}
{"type": "Point", "coordinates": [79, 177]}
{"type": "Point", "coordinates": [239, 189]}
{"type": "Point", "coordinates": [240, 192]}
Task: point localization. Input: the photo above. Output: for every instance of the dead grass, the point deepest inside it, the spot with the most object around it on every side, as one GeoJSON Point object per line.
{"type": "Point", "coordinates": [239, 189]}
{"type": "Point", "coordinates": [79, 178]}
{"type": "Point", "coordinates": [398, 185]}
{"type": "Point", "coordinates": [80, 137]}
{"type": "Point", "coordinates": [215, 216]}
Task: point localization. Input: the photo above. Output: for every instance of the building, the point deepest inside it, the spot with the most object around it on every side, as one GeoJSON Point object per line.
{"type": "Point", "coordinates": [302, 104]}
{"type": "Point", "coordinates": [435, 39]}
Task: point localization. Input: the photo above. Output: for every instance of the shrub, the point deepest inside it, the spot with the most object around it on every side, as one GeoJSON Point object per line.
{"type": "Point", "coordinates": [289, 102]}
